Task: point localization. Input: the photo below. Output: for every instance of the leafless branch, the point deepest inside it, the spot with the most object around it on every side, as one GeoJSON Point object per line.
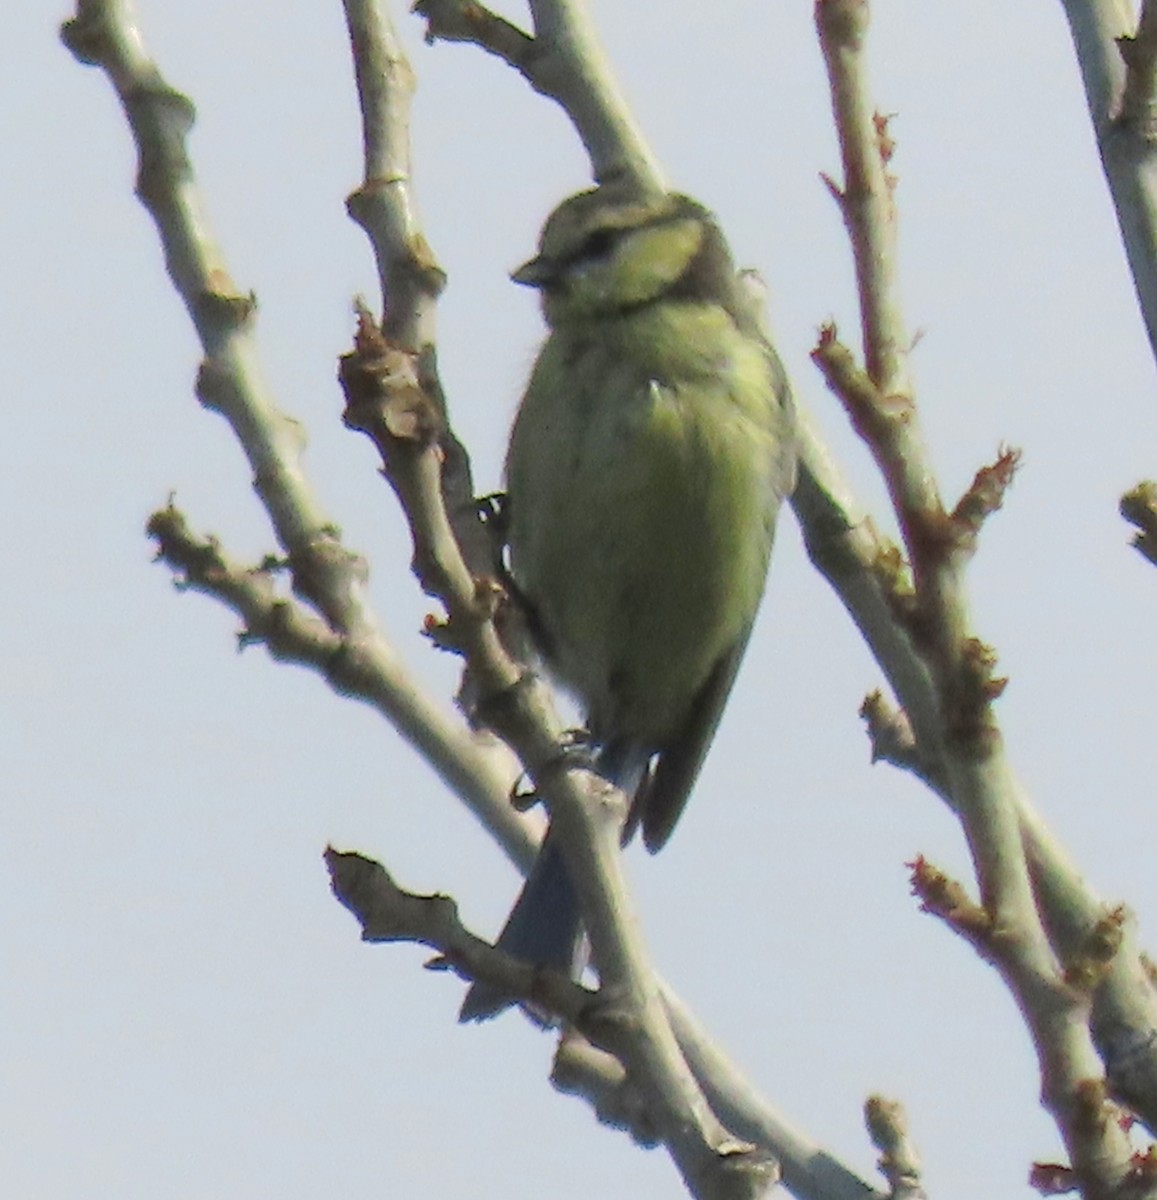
{"type": "Point", "coordinates": [899, 1162]}
{"type": "Point", "coordinates": [326, 574]}
{"type": "Point", "coordinates": [387, 913]}
{"type": "Point", "coordinates": [1005, 926]}
{"type": "Point", "coordinates": [411, 280]}
{"type": "Point", "coordinates": [1115, 56]}
{"type": "Point", "coordinates": [562, 60]}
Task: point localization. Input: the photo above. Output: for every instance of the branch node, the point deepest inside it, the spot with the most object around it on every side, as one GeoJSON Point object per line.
{"type": "Point", "coordinates": [1053, 1179]}
{"type": "Point", "coordinates": [1091, 1107]}
{"type": "Point", "coordinates": [871, 412]}
{"type": "Point", "coordinates": [967, 698]}
{"type": "Point", "coordinates": [893, 740]}
{"type": "Point", "coordinates": [1138, 107]}
{"type": "Point", "coordinates": [384, 395]}
{"type": "Point", "coordinates": [885, 142]}
{"type": "Point", "coordinates": [1087, 969]}
{"type": "Point", "coordinates": [225, 310]}
{"type": "Point", "coordinates": [894, 573]}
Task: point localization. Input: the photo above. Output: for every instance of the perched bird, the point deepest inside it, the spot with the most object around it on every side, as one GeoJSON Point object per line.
{"type": "Point", "coordinates": [646, 466]}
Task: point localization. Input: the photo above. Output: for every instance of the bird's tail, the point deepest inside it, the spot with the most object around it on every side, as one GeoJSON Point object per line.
{"type": "Point", "coordinates": [544, 928]}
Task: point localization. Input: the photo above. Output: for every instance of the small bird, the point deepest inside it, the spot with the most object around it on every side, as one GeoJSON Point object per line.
{"type": "Point", "coordinates": [647, 463]}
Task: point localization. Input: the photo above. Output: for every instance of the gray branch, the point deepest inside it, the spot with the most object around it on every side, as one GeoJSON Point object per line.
{"type": "Point", "coordinates": [230, 380]}
{"type": "Point", "coordinates": [1116, 58]}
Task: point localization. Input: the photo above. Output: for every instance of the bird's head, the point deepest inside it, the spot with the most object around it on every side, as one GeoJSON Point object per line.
{"type": "Point", "coordinates": [602, 256]}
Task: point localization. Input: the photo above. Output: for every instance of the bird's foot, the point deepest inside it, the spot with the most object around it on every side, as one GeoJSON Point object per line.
{"type": "Point", "coordinates": [576, 752]}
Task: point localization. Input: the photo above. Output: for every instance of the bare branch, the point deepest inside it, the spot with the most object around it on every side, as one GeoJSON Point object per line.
{"type": "Point", "coordinates": [866, 197]}
{"type": "Point", "coordinates": [1106, 37]}
{"type": "Point", "coordinates": [471, 23]}
{"type": "Point", "coordinates": [386, 913]}
{"type": "Point", "coordinates": [410, 276]}
{"type": "Point", "coordinates": [563, 60]}
{"type": "Point", "coordinates": [462, 21]}
{"type": "Point", "coordinates": [230, 378]}
{"type": "Point", "coordinates": [408, 271]}
{"type": "Point", "coordinates": [846, 548]}
{"type": "Point", "coordinates": [899, 1162]}
{"type": "Point", "coordinates": [809, 1171]}
{"type": "Point", "coordinates": [1005, 926]}
{"type": "Point", "coordinates": [324, 572]}
{"type": "Point", "coordinates": [359, 668]}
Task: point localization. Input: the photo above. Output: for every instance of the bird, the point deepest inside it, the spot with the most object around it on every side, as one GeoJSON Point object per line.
{"type": "Point", "coordinates": [650, 454]}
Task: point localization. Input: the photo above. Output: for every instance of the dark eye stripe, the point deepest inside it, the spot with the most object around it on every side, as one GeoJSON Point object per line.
{"type": "Point", "coordinates": [598, 244]}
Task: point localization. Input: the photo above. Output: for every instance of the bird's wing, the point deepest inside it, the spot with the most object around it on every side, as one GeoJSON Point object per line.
{"type": "Point", "coordinates": [661, 799]}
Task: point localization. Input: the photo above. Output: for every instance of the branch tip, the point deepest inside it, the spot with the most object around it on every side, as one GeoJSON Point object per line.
{"type": "Point", "coordinates": [899, 1163]}
{"type": "Point", "coordinates": [1053, 1179]}
{"type": "Point", "coordinates": [466, 21]}
{"type": "Point", "coordinates": [944, 897]}
{"type": "Point", "coordinates": [985, 494]}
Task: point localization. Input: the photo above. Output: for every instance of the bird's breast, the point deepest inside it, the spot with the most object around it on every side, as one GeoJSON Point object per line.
{"type": "Point", "coordinates": [642, 496]}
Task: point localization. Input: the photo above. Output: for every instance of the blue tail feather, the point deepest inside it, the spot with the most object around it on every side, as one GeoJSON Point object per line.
{"type": "Point", "coordinates": [544, 927]}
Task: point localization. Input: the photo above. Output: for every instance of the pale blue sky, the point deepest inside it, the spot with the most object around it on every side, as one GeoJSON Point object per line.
{"type": "Point", "coordinates": [186, 1011]}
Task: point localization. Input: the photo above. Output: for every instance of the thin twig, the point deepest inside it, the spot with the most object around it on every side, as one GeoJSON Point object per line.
{"type": "Point", "coordinates": [562, 60]}
{"type": "Point", "coordinates": [861, 567]}
{"type": "Point", "coordinates": [387, 913]}
{"type": "Point", "coordinates": [292, 633]}
{"type": "Point", "coordinates": [899, 1162]}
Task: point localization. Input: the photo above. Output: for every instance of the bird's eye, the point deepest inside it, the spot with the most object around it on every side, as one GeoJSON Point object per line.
{"type": "Point", "coordinates": [598, 244]}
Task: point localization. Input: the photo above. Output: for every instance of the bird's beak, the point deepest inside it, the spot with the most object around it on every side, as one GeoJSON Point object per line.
{"type": "Point", "coordinates": [538, 273]}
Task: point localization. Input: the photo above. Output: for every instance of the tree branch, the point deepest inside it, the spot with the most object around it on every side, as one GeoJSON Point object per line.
{"type": "Point", "coordinates": [563, 60]}
{"type": "Point", "coordinates": [351, 667]}
{"type": "Point", "coordinates": [1005, 926]}
{"type": "Point", "coordinates": [409, 274]}
{"type": "Point", "coordinates": [1116, 61]}
{"type": "Point", "coordinates": [469, 22]}
{"type": "Point", "coordinates": [326, 574]}
{"type": "Point", "coordinates": [387, 913]}
{"type": "Point", "coordinates": [899, 1162]}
